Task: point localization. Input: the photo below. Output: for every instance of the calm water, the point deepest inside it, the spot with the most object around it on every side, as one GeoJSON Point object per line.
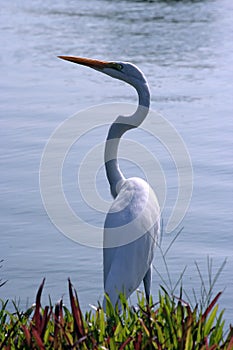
{"type": "Point", "coordinates": [185, 50]}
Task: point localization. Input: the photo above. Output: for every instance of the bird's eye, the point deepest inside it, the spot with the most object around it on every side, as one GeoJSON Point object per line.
{"type": "Point", "coordinates": [116, 66]}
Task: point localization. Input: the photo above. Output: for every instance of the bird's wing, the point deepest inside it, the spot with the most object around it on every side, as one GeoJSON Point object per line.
{"type": "Point", "coordinates": [126, 266]}
{"type": "Point", "coordinates": [135, 227]}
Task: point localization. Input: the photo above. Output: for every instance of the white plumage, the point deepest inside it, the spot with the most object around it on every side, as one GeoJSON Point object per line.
{"type": "Point", "coordinates": [127, 264]}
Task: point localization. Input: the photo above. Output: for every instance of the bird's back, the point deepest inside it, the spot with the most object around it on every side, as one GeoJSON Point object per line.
{"type": "Point", "coordinates": [130, 234]}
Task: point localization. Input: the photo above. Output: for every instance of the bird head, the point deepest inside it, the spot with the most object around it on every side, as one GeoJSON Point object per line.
{"type": "Point", "coordinates": [125, 71]}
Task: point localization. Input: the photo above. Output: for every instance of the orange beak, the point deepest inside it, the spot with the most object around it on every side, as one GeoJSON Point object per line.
{"type": "Point", "coordinates": [96, 64]}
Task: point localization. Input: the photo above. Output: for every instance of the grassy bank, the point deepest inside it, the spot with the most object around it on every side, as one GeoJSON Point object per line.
{"type": "Point", "coordinates": [169, 323]}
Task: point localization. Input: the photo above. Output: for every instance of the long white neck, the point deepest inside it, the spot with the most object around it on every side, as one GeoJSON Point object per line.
{"type": "Point", "coordinates": [117, 129]}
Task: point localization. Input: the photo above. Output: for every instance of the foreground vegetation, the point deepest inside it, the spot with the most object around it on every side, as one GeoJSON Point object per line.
{"type": "Point", "coordinates": [169, 324]}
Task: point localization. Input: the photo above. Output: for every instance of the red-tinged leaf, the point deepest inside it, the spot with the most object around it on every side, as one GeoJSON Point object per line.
{"type": "Point", "coordinates": [61, 319]}
{"type": "Point", "coordinates": [7, 347]}
{"type": "Point", "coordinates": [206, 343]}
{"type": "Point", "coordinates": [127, 341]}
{"type": "Point", "coordinates": [38, 339]}
{"type": "Point", "coordinates": [44, 321]}
{"type": "Point", "coordinates": [27, 335]}
{"type": "Point", "coordinates": [209, 308]}
{"type": "Point", "coordinates": [77, 314]}
{"type": "Point", "coordinates": [137, 343]}
{"type": "Point", "coordinates": [213, 347]}
{"type": "Point", "coordinates": [58, 324]}
{"type": "Point", "coordinates": [56, 321]}
{"type": "Point", "coordinates": [140, 337]}
{"type": "Point", "coordinates": [37, 317]}
{"type": "Point", "coordinates": [230, 344]}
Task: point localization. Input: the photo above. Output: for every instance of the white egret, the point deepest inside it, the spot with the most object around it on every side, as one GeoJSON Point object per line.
{"type": "Point", "coordinates": [132, 224]}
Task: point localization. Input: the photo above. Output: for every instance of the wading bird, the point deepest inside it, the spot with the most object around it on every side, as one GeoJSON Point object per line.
{"type": "Point", "coordinates": [132, 224]}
